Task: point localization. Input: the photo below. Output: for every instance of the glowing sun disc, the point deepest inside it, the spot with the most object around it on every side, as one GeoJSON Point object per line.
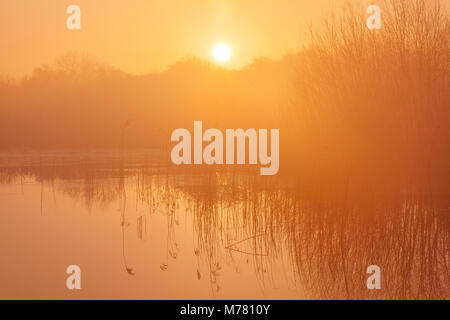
{"type": "Point", "coordinates": [222, 52]}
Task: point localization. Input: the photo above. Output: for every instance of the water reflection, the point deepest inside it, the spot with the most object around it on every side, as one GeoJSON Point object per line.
{"type": "Point", "coordinates": [316, 238]}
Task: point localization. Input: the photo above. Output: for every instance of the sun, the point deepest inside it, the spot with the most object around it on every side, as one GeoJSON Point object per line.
{"type": "Point", "coordinates": [221, 52]}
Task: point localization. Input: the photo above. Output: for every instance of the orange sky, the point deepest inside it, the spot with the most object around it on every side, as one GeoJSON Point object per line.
{"type": "Point", "coordinates": [141, 36]}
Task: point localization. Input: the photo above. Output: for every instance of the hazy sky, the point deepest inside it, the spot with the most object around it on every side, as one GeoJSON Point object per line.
{"type": "Point", "coordinates": [141, 36]}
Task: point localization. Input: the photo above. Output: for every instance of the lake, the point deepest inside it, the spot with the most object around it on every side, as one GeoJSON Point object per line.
{"type": "Point", "coordinates": [140, 227]}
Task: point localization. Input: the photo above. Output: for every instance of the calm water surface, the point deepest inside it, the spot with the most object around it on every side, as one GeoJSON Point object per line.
{"type": "Point", "coordinates": [139, 229]}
